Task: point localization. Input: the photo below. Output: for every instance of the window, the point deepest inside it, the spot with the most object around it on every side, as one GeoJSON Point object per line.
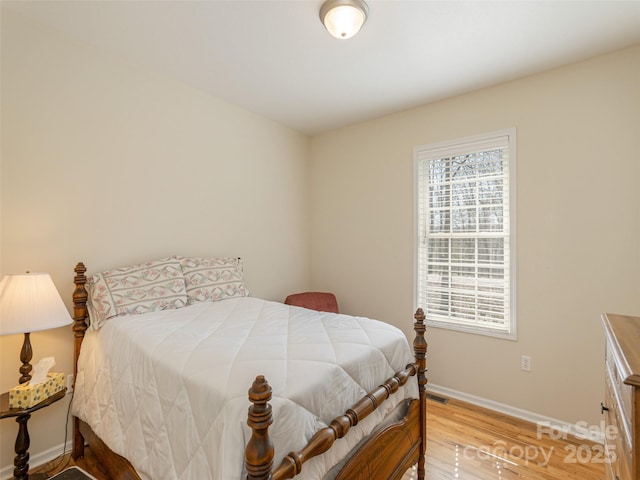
{"type": "Point", "coordinates": [466, 234]}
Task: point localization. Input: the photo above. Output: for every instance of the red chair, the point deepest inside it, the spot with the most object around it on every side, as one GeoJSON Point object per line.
{"type": "Point", "coordinates": [320, 301]}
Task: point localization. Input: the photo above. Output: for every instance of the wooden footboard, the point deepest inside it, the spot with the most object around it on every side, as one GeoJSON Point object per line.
{"type": "Point", "coordinates": [390, 452]}
{"type": "Point", "coordinates": [385, 455]}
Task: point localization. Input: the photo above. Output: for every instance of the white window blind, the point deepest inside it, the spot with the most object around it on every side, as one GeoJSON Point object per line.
{"type": "Point", "coordinates": [466, 242]}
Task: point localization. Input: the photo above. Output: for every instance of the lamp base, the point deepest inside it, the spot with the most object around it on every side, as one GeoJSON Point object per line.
{"type": "Point", "coordinates": [26, 354]}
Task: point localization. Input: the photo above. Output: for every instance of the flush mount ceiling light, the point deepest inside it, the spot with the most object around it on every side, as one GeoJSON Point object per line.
{"type": "Point", "coordinates": [343, 18]}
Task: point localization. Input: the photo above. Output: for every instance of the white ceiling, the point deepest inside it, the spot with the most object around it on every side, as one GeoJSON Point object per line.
{"type": "Point", "coordinates": [273, 57]}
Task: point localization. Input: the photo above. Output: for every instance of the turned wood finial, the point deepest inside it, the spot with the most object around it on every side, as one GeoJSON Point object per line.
{"type": "Point", "coordinates": [80, 299]}
{"type": "Point", "coordinates": [419, 343]}
{"type": "Point", "coordinates": [79, 309]}
{"type": "Point", "coordinates": [420, 348]}
{"type": "Point", "coordinates": [259, 452]}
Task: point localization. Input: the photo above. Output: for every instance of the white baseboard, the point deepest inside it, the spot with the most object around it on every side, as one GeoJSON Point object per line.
{"type": "Point", "coordinates": [35, 460]}
{"type": "Point", "coordinates": [593, 433]}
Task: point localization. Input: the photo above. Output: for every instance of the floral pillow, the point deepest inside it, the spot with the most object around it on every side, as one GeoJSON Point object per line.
{"type": "Point", "coordinates": [135, 289]}
{"type": "Point", "coordinates": [213, 279]}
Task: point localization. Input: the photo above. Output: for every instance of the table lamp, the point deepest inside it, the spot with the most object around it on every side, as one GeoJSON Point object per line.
{"type": "Point", "coordinates": [30, 303]}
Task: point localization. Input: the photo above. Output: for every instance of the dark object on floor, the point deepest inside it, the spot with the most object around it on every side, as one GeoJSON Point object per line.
{"type": "Point", "coordinates": [321, 301]}
{"type": "Point", "coordinates": [437, 398]}
{"type": "Point", "coordinates": [73, 473]}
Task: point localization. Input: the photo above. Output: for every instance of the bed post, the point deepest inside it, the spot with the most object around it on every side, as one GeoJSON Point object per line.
{"type": "Point", "coordinates": [259, 451]}
{"type": "Point", "coordinates": [79, 328]}
{"type": "Point", "coordinates": [420, 350]}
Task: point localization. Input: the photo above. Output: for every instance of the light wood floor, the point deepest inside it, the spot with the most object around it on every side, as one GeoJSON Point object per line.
{"type": "Point", "coordinates": [471, 443]}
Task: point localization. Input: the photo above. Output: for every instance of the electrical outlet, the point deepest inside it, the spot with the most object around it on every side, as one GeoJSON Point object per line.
{"type": "Point", "coordinates": [69, 379]}
{"type": "Point", "coordinates": [525, 363]}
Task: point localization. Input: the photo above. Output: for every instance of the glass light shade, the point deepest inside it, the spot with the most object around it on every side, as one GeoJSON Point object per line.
{"type": "Point", "coordinates": [343, 19]}
{"type": "Point", "coordinates": [30, 303]}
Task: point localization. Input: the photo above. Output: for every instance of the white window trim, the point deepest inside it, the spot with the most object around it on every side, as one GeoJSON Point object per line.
{"type": "Point", "coordinates": [449, 148]}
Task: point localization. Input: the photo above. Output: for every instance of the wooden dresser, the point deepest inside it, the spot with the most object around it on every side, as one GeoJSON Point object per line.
{"type": "Point", "coordinates": [621, 405]}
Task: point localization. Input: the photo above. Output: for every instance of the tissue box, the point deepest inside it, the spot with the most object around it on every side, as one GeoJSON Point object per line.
{"type": "Point", "coordinates": [26, 396]}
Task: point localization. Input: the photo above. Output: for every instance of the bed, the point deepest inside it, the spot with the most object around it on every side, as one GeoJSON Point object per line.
{"type": "Point", "coordinates": [181, 374]}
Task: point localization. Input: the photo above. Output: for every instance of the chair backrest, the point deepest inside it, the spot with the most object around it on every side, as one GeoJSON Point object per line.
{"type": "Point", "coordinates": [320, 301]}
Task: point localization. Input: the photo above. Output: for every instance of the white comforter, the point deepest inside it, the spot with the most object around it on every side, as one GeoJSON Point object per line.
{"type": "Point", "coordinates": [168, 390]}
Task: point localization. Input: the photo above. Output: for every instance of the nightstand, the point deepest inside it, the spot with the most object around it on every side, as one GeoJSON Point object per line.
{"type": "Point", "coordinates": [22, 415]}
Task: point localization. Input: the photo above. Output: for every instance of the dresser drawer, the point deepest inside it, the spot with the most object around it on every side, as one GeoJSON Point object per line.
{"type": "Point", "coordinates": [623, 392]}
{"type": "Point", "coordinates": [618, 440]}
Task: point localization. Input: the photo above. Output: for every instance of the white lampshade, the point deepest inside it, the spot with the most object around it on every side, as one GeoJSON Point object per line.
{"type": "Point", "coordinates": [29, 303]}
{"type": "Point", "coordinates": [343, 18]}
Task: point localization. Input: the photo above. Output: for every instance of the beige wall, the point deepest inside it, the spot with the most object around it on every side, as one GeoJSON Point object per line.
{"type": "Point", "coordinates": [578, 216]}
{"type": "Point", "coordinates": [110, 164]}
